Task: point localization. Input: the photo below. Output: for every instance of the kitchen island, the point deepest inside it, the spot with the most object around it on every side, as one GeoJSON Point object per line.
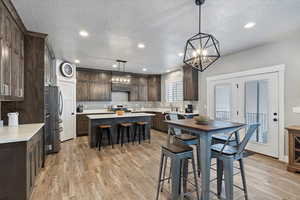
{"type": "Point", "coordinates": [114, 120]}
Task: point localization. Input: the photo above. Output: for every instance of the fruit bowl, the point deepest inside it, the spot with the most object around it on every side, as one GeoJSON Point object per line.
{"type": "Point", "coordinates": [202, 119]}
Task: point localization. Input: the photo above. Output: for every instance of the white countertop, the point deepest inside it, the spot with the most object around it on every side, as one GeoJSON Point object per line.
{"type": "Point", "coordinates": [19, 134]}
{"type": "Point", "coordinates": [164, 110]}
{"type": "Point", "coordinates": [110, 116]}
{"type": "Point", "coordinates": [98, 111]}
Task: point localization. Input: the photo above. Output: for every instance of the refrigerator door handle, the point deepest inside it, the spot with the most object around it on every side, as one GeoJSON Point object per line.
{"type": "Point", "coordinates": [61, 103]}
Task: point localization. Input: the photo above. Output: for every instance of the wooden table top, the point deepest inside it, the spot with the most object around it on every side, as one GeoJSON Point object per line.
{"type": "Point", "coordinates": [293, 128]}
{"type": "Point", "coordinates": [214, 125]}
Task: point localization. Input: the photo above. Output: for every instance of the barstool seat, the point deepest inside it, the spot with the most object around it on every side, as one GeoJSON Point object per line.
{"type": "Point", "coordinates": [104, 126]}
{"type": "Point", "coordinates": [142, 123]}
{"type": "Point", "coordinates": [178, 148]}
{"type": "Point", "coordinates": [126, 124]}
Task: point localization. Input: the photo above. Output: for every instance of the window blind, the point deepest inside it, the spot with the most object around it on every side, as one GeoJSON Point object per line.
{"type": "Point", "coordinates": [174, 91]}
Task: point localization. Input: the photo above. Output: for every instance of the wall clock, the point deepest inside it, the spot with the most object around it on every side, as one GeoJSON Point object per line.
{"type": "Point", "coordinates": [67, 69]}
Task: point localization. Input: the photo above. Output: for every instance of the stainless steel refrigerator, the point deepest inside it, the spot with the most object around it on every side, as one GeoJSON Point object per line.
{"type": "Point", "coordinates": [53, 128]}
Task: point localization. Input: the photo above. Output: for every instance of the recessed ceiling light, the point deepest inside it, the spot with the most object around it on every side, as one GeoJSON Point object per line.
{"type": "Point", "coordinates": [83, 33]}
{"type": "Point", "coordinates": [141, 46]}
{"type": "Point", "coordinates": [114, 66]}
{"type": "Point", "coordinates": [168, 71]}
{"type": "Point", "coordinates": [180, 54]}
{"type": "Point", "coordinates": [144, 69]}
{"type": "Point", "coordinates": [249, 25]}
{"type": "Point", "coordinates": [77, 61]}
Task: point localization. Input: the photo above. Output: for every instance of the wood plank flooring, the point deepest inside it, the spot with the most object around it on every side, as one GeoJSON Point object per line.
{"type": "Point", "coordinates": [131, 173]}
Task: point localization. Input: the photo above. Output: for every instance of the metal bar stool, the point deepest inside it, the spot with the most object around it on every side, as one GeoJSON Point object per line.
{"type": "Point", "coordinates": [226, 154]}
{"type": "Point", "coordinates": [178, 154]}
{"type": "Point", "coordinates": [124, 127]}
{"type": "Point", "coordinates": [140, 131]}
{"type": "Point", "coordinates": [103, 128]}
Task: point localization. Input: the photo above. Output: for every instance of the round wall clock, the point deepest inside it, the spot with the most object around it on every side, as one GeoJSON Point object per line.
{"type": "Point", "coordinates": [67, 69]}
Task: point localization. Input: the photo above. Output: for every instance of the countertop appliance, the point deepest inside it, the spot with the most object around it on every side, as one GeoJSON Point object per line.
{"type": "Point", "coordinates": [189, 108]}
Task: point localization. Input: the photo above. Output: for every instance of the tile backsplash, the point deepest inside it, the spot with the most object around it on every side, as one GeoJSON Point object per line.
{"type": "Point", "coordinates": [90, 105]}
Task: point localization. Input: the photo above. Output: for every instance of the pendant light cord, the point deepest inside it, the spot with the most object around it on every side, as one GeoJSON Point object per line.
{"type": "Point", "coordinates": [200, 18]}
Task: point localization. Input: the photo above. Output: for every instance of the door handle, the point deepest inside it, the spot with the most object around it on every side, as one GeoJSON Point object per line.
{"type": "Point", "coordinates": [275, 119]}
{"type": "Point", "coordinates": [73, 113]}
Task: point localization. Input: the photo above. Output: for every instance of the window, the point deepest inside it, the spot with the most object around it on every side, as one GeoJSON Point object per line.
{"type": "Point", "coordinates": [174, 91]}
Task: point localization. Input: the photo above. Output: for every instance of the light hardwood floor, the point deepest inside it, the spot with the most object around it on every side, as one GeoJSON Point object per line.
{"type": "Point", "coordinates": [131, 173]}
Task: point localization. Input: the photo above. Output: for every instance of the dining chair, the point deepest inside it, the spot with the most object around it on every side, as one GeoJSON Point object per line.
{"type": "Point", "coordinates": [226, 155]}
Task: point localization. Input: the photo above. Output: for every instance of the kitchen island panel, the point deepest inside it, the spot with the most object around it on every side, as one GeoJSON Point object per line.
{"type": "Point", "coordinates": [114, 122]}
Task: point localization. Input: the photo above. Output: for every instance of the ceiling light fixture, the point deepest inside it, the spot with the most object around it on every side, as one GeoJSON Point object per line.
{"type": "Point", "coordinates": [144, 69]}
{"type": "Point", "coordinates": [168, 71]}
{"type": "Point", "coordinates": [203, 49]}
{"type": "Point", "coordinates": [249, 25]}
{"type": "Point", "coordinates": [120, 79]}
{"type": "Point", "coordinates": [83, 33]}
{"type": "Point", "coordinates": [77, 61]}
{"type": "Point", "coordinates": [114, 66]}
{"type": "Point", "coordinates": [180, 54]}
{"type": "Point", "coordinates": [141, 46]}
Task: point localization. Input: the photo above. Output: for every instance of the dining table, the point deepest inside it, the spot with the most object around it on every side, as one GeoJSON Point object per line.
{"type": "Point", "coordinates": [204, 133]}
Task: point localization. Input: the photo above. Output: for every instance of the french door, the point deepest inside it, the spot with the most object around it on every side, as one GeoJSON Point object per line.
{"type": "Point", "coordinates": [249, 99]}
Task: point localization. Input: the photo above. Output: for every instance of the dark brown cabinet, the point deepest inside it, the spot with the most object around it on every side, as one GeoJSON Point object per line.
{"type": "Point", "coordinates": [21, 163]}
{"type": "Point", "coordinates": [190, 84]}
{"type": "Point", "coordinates": [143, 88]}
{"type": "Point", "coordinates": [93, 85]}
{"type": "Point", "coordinates": [82, 125]}
{"type": "Point", "coordinates": [154, 88]}
{"type": "Point", "coordinates": [294, 149]}
{"type": "Point", "coordinates": [11, 57]}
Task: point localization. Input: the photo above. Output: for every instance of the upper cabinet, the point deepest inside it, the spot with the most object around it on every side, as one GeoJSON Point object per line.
{"type": "Point", "coordinates": [154, 88]}
{"type": "Point", "coordinates": [93, 85]}
{"type": "Point", "coordinates": [190, 84]}
{"type": "Point", "coordinates": [11, 58]}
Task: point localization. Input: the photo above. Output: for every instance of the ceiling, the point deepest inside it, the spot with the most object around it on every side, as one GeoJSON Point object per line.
{"type": "Point", "coordinates": [115, 28]}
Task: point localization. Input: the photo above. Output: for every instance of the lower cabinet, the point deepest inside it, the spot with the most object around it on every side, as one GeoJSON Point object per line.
{"type": "Point", "coordinates": [158, 122]}
{"type": "Point", "coordinates": [82, 125]}
{"type": "Point", "coordinates": [21, 163]}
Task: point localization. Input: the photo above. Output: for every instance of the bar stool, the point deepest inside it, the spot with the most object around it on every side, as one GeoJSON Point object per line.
{"type": "Point", "coordinates": [226, 155]}
{"type": "Point", "coordinates": [102, 128]}
{"type": "Point", "coordinates": [124, 127]}
{"type": "Point", "coordinates": [140, 130]}
{"type": "Point", "coordinates": [178, 154]}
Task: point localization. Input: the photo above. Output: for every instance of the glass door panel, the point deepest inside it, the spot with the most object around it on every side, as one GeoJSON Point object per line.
{"type": "Point", "coordinates": [223, 102]}
{"type": "Point", "coordinates": [257, 108]}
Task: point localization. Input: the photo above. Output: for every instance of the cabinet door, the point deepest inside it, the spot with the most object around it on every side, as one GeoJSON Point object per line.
{"type": "Point", "coordinates": [83, 75]}
{"type": "Point", "coordinates": [96, 91]}
{"type": "Point", "coordinates": [154, 88]}
{"type": "Point", "coordinates": [143, 89]}
{"type": "Point", "coordinates": [82, 90]}
{"type": "Point", "coordinates": [82, 125]}
{"type": "Point", "coordinates": [6, 56]}
{"type": "Point", "coordinates": [1, 20]}
{"type": "Point", "coordinates": [190, 84]}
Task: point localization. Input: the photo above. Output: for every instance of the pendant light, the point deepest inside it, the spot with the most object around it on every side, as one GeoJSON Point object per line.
{"type": "Point", "coordinates": [203, 49]}
{"type": "Point", "coordinates": [121, 79]}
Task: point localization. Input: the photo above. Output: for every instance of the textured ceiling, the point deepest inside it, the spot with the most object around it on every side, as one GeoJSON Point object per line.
{"type": "Point", "coordinates": [117, 26]}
